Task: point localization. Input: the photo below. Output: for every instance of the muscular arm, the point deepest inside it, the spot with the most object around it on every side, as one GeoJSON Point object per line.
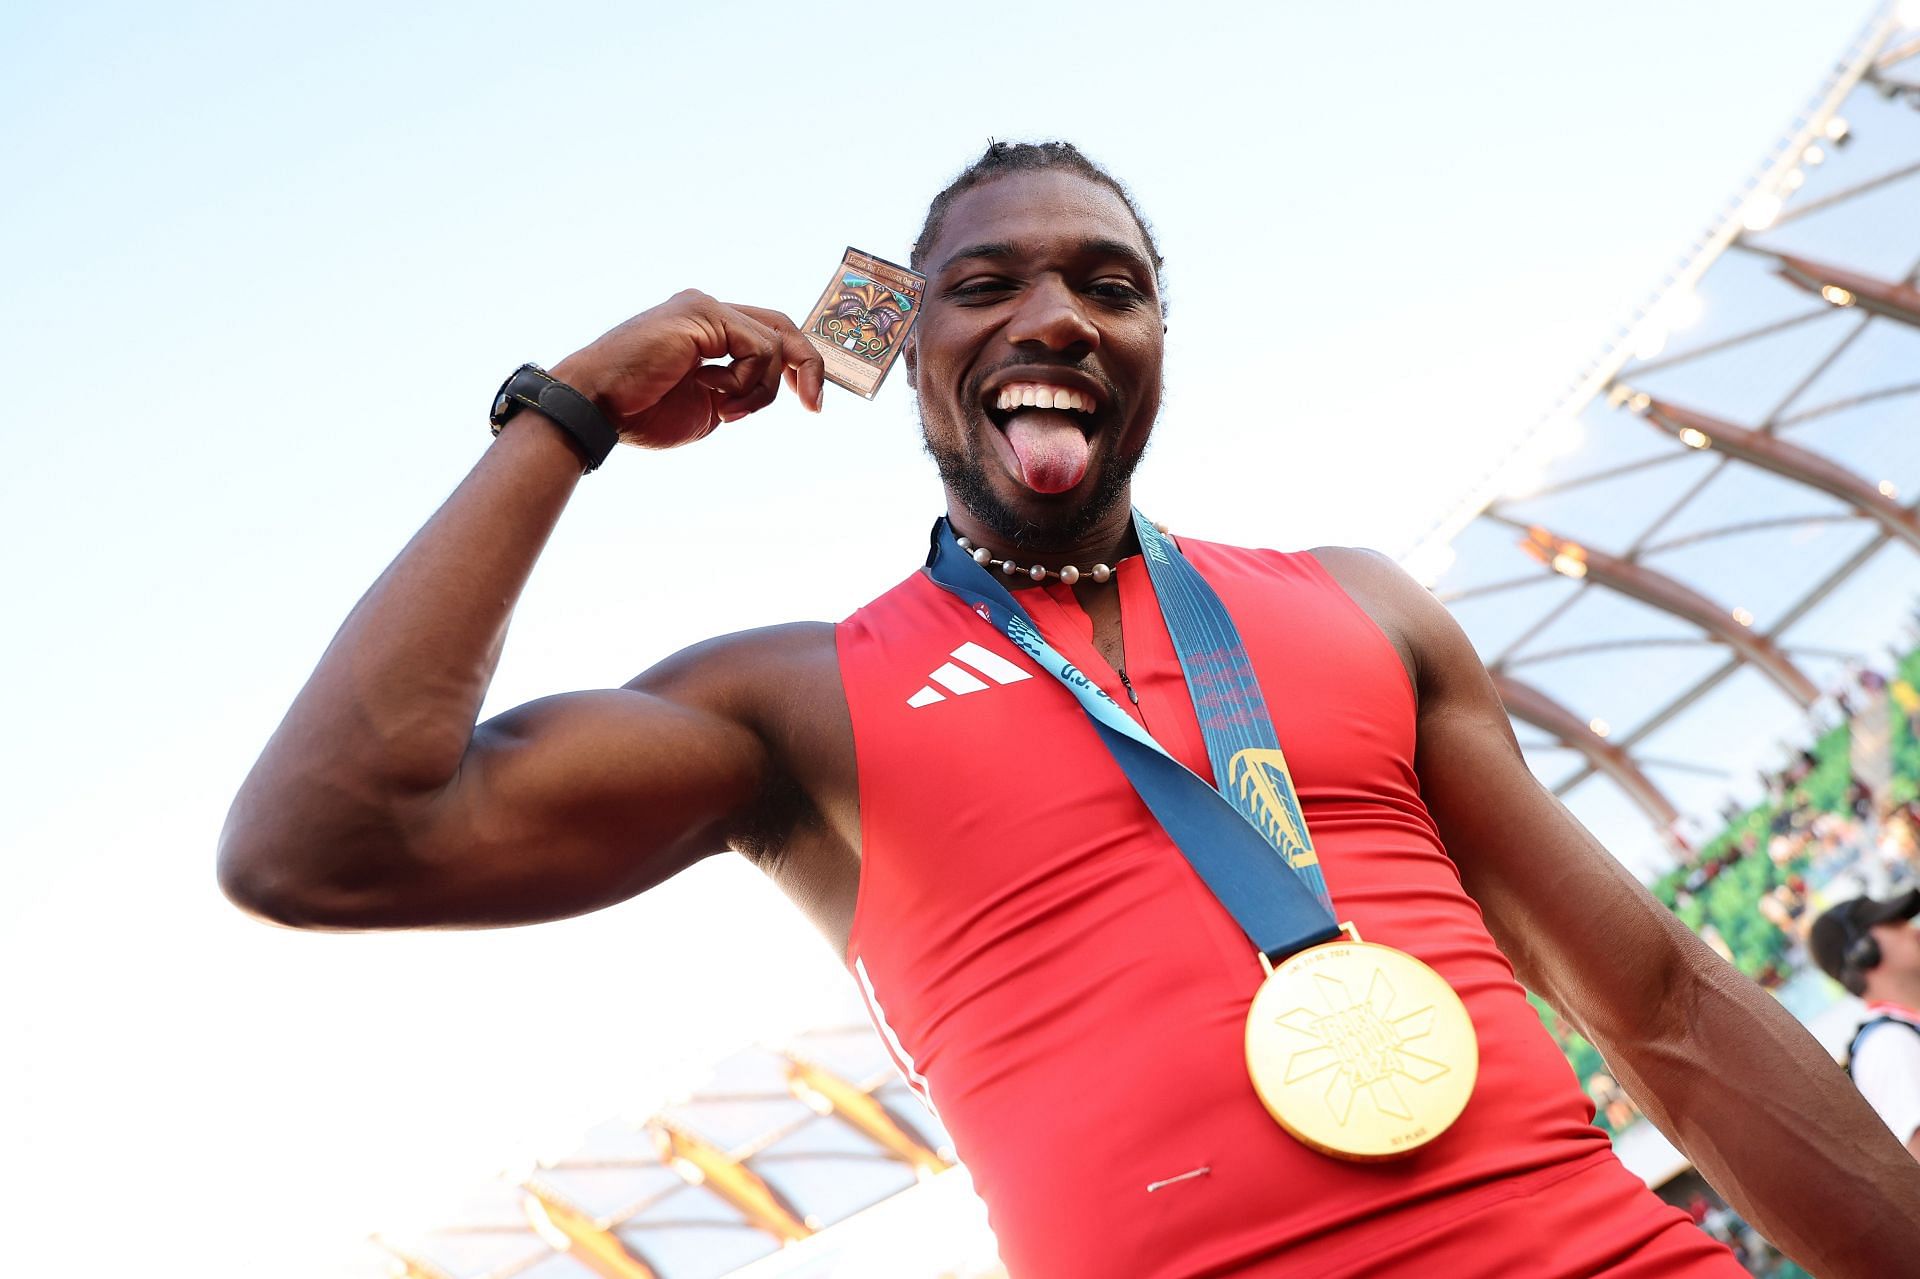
{"type": "Point", "coordinates": [378, 803]}
{"type": "Point", "coordinates": [1714, 1061]}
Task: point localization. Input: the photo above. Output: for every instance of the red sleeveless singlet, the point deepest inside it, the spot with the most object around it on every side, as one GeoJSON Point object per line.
{"type": "Point", "coordinates": [1065, 993]}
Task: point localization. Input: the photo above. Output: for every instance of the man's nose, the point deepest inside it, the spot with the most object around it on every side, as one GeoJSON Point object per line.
{"type": "Point", "coordinates": [1052, 315]}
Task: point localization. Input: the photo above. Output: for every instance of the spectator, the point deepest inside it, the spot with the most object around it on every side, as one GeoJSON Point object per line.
{"type": "Point", "coordinates": [1872, 948]}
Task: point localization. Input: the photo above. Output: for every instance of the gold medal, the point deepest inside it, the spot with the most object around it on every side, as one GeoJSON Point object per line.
{"type": "Point", "coordinates": [1360, 1051]}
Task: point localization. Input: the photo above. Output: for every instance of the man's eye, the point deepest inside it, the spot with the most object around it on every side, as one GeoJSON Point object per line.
{"type": "Point", "coordinates": [1115, 291]}
{"type": "Point", "coordinates": [979, 288]}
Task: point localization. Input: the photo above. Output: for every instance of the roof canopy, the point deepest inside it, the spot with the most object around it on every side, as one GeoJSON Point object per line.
{"type": "Point", "coordinates": [1717, 521]}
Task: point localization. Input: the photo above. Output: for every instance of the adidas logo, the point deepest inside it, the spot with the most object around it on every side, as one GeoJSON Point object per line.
{"type": "Point", "coordinates": [959, 680]}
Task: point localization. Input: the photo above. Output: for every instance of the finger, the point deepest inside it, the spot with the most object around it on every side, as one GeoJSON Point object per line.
{"type": "Point", "coordinates": [757, 396]}
{"type": "Point", "coordinates": [756, 380]}
{"type": "Point", "coordinates": [740, 406]}
{"type": "Point", "coordinates": [738, 379]}
{"type": "Point", "coordinates": [750, 386]}
{"type": "Point", "coordinates": [720, 379]}
{"type": "Point", "coordinates": [806, 370]}
{"type": "Point", "coordinates": [728, 332]}
{"type": "Point", "coordinates": [736, 387]}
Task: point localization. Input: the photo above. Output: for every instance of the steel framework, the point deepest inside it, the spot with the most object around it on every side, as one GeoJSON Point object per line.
{"type": "Point", "coordinates": [1660, 584]}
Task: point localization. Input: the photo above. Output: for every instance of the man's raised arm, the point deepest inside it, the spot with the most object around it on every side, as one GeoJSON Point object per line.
{"type": "Point", "coordinates": [1725, 1072]}
{"type": "Point", "coordinates": [377, 802]}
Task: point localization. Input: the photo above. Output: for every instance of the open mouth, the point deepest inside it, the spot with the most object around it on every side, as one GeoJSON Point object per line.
{"type": "Point", "coordinates": [1048, 431]}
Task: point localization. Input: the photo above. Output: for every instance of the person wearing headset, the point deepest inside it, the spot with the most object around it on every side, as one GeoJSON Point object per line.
{"type": "Point", "coordinates": [1873, 949]}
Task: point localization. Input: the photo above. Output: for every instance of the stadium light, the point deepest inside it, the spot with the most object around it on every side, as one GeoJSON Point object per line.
{"type": "Point", "coordinates": [543, 1225]}
{"type": "Point", "coordinates": [1761, 211]}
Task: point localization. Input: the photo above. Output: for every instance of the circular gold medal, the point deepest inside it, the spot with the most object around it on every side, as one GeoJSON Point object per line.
{"type": "Point", "coordinates": [1360, 1051]}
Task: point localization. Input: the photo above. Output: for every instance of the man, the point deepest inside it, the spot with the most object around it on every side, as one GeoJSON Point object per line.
{"type": "Point", "coordinates": [1043, 963]}
{"type": "Point", "coordinates": [1872, 948]}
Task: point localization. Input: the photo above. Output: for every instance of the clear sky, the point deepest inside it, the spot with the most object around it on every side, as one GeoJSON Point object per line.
{"type": "Point", "coordinates": [265, 266]}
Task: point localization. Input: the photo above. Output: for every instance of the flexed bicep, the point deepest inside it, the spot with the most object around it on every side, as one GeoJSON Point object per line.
{"type": "Point", "coordinates": [558, 807]}
{"type": "Point", "coordinates": [572, 803]}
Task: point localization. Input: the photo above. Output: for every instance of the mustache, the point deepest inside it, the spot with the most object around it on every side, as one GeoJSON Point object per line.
{"type": "Point", "coordinates": [1109, 393]}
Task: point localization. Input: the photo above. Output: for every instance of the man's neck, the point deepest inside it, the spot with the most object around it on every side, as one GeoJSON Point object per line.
{"type": "Point", "coordinates": [1107, 542]}
{"type": "Point", "coordinates": [1902, 990]}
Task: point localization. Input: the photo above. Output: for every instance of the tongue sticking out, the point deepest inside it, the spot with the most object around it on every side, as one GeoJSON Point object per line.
{"type": "Point", "coordinates": [1051, 449]}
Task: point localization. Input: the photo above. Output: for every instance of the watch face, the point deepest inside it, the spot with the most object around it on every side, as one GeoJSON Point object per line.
{"type": "Point", "coordinates": [503, 403]}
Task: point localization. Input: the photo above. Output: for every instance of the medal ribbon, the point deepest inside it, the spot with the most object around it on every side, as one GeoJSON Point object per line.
{"type": "Point", "coordinates": [1248, 766]}
{"type": "Point", "coordinates": [1252, 850]}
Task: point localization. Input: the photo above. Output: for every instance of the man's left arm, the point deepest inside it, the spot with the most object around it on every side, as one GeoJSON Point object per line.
{"type": "Point", "coordinates": [1731, 1078]}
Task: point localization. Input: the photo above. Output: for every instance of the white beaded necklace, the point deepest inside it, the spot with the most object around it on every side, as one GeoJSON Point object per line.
{"type": "Point", "coordinates": [1068, 575]}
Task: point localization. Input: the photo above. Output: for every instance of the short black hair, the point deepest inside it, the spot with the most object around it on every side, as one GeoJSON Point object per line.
{"type": "Point", "coordinates": [1002, 158]}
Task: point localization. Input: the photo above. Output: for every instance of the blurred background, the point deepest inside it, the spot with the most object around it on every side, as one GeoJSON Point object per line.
{"type": "Point", "coordinates": [1603, 320]}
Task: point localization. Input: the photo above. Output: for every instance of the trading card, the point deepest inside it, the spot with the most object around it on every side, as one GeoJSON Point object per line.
{"type": "Point", "coordinates": [863, 318]}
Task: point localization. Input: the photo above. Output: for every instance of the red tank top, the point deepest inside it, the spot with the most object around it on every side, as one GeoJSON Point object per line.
{"type": "Point", "coordinates": [1069, 998]}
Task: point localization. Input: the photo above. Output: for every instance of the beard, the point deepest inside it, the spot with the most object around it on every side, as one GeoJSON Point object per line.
{"type": "Point", "coordinates": [964, 473]}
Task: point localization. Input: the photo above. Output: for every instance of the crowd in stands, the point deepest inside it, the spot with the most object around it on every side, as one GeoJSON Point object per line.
{"type": "Point", "coordinates": [1842, 820]}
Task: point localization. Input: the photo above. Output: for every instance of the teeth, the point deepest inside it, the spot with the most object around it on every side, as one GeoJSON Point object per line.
{"type": "Point", "coordinates": [1038, 395]}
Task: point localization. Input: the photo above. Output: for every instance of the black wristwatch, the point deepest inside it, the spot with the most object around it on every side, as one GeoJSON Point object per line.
{"type": "Point", "coordinates": [532, 387]}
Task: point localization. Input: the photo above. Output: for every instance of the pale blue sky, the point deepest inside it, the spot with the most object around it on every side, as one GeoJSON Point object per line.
{"type": "Point", "coordinates": [266, 263]}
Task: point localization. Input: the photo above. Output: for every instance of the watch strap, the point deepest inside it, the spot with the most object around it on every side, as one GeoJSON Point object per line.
{"type": "Point", "coordinates": [532, 387]}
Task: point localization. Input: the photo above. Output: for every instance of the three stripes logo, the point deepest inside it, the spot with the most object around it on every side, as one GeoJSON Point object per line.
{"type": "Point", "coordinates": [972, 666]}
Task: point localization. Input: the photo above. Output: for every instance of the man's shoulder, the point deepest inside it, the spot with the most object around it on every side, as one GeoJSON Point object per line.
{"type": "Point", "coordinates": [1365, 563]}
{"type": "Point", "coordinates": [1885, 1066]}
{"type": "Point", "coordinates": [737, 670]}
{"type": "Point", "coordinates": [1886, 1044]}
{"type": "Point", "coordinates": [779, 642]}
{"type": "Point", "coordinates": [1887, 1028]}
{"type": "Point", "coordinates": [1359, 560]}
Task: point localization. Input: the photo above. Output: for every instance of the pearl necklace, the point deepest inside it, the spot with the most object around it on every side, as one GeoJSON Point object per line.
{"type": "Point", "coordinates": [1068, 575]}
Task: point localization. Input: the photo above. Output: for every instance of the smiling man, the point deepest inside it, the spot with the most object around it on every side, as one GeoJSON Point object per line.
{"type": "Point", "coordinates": [967, 789]}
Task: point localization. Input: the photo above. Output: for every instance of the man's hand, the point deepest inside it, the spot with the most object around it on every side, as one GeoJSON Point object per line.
{"type": "Point", "coordinates": [652, 378]}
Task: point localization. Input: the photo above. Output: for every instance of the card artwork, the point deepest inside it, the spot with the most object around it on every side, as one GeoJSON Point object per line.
{"type": "Point", "coordinates": [862, 320]}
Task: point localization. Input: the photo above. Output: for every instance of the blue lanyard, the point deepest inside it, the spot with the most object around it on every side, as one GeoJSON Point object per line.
{"type": "Point", "coordinates": [1249, 845]}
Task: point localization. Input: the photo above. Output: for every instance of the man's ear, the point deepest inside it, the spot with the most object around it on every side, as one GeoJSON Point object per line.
{"type": "Point", "coordinates": [911, 353]}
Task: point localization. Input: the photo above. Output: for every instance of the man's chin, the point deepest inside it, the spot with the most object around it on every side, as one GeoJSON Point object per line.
{"type": "Point", "coordinates": [1024, 515]}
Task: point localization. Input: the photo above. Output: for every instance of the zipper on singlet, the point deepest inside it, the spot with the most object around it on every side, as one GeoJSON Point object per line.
{"type": "Point", "coordinates": [1131, 695]}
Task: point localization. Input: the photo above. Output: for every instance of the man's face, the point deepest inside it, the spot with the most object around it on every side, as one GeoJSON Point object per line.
{"type": "Point", "coordinates": [1041, 292]}
{"type": "Point", "coordinates": [1899, 947]}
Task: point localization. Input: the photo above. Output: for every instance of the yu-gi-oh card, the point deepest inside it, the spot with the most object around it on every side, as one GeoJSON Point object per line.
{"type": "Point", "coordinates": [863, 318]}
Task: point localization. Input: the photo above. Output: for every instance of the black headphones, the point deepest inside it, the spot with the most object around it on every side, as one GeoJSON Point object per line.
{"type": "Point", "coordinates": [1862, 952]}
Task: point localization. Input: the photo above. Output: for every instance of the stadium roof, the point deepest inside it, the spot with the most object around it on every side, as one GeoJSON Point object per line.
{"type": "Point", "coordinates": [1717, 521]}
{"type": "Point", "coordinates": [776, 1145]}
